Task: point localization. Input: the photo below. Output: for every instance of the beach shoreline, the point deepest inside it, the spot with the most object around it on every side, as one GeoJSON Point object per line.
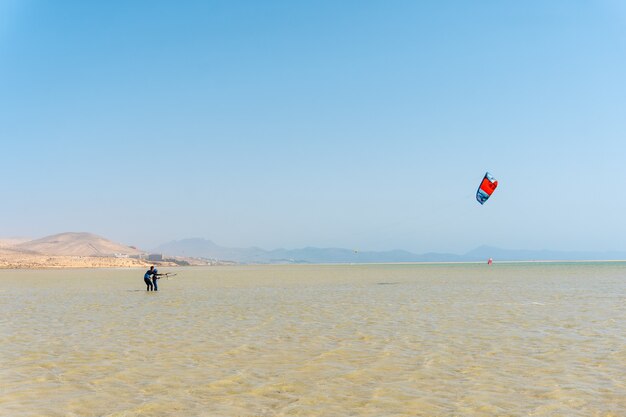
{"type": "Point", "coordinates": [39, 261]}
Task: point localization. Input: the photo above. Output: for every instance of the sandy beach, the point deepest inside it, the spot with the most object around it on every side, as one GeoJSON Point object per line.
{"type": "Point", "coordinates": [16, 260]}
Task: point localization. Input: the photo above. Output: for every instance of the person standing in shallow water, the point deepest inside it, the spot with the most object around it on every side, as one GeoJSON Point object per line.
{"type": "Point", "coordinates": [146, 279]}
{"type": "Point", "coordinates": [155, 276]}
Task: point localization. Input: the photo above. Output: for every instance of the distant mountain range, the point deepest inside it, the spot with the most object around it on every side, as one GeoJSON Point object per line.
{"type": "Point", "coordinates": [203, 248]}
{"type": "Point", "coordinates": [87, 244]}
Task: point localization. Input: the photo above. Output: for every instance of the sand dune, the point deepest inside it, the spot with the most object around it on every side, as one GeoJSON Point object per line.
{"type": "Point", "coordinates": [77, 250]}
{"type": "Point", "coordinates": [76, 244]}
{"type": "Point", "coordinates": [12, 241]}
{"type": "Point", "coordinates": [67, 250]}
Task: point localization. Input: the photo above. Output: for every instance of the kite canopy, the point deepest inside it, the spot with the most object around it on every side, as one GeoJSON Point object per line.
{"type": "Point", "coordinates": [487, 187]}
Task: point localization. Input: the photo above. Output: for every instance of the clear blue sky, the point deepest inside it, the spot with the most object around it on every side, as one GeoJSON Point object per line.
{"type": "Point", "coordinates": [359, 124]}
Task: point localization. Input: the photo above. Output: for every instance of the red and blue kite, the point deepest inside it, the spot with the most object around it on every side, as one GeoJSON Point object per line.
{"type": "Point", "coordinates": [487, 187]}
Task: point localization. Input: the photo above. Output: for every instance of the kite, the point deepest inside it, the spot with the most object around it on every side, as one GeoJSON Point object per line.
{"type": "Point", "coordinates": [487, 187]}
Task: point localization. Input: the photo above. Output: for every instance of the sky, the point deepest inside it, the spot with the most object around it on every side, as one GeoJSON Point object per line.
{"type": "Point", "coordinates": [279, 124]}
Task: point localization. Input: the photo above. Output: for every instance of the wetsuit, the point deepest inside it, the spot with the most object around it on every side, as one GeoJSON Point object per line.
{"type": "Point", "coordinates": [154, 279]}
{"type": "Point", "coordinates": [146, 279]}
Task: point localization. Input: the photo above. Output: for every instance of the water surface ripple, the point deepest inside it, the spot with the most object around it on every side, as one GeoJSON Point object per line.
{"type": "Point", "coordinates": [352, 340]}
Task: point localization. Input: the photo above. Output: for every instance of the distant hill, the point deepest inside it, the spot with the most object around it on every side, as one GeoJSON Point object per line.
{"type": "Point", "coordinates": [90, 245]}
{"type": "Point", "coordinates": [75, 244]}
{"type": "Point", "coordinates": [202, 248]}
{"type": "Point", "coordinates": [9, 242]}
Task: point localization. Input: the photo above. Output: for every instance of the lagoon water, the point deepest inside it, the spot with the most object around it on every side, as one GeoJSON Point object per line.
{"type": "Point", "coordinates": [526, 339]}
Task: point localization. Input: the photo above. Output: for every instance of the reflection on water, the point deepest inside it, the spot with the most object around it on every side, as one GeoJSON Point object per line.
{"type": "Point", "coordinates": [375, 340]}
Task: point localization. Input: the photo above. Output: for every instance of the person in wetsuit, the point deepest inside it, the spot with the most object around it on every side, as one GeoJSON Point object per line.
{"type": "Point", "coordinates": [155, 276]}
{"type": "Point", "coordinates": [146, 278]}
